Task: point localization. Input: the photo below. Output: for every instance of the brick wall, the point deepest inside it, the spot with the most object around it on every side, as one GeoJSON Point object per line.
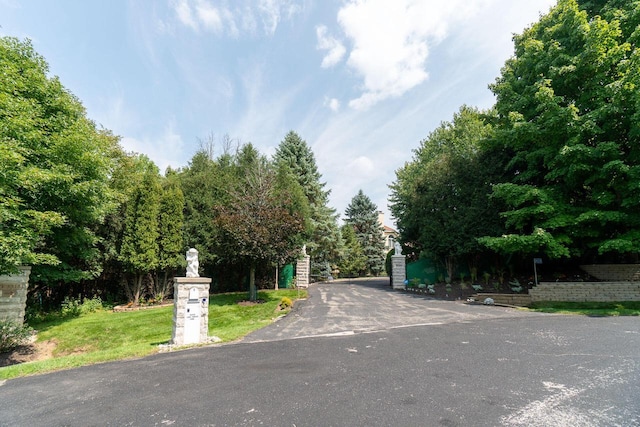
{"type": "Point", "coordinates": [586, 291]}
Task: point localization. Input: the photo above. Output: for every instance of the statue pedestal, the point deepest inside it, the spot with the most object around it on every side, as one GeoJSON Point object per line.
{"type": "Point", "coordinates": [190, 310]}
{"type": "Point", "coordinates": [398, 271]}
{"type": "Point", "coordinates": [303, 267]}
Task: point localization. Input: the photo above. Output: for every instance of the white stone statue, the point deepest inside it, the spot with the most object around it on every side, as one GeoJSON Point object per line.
{"type": "Point", "coordinates": [398, 248]}
{"type": "Point", "coordinates": [304, 250]}
{"type": "Point", "coordinates": [192, 263]}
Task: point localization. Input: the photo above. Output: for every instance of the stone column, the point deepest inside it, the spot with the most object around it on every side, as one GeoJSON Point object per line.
{"type": "Point", "coordinates": [398, 271]}
{"type": "Point", "coordinates": [303, 266]}
{"type": "Point", "coordinates": [13, 295]}
{"type": "Point", "coordinates": [190, 310]}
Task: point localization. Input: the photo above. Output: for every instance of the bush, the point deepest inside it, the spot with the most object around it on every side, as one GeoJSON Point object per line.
{"type": "Point", "coordinates": [13, 335]}
{"type": "Point", "coordinates": [285, 303]}
{"type": "Point", "coordinates": [74, 307]}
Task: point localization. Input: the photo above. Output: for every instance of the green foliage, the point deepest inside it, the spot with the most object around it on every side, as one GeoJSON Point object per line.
{"type": "Point", "coordinates": [264, 218]}
{"type": "Point", "coordinates": [362, 215]}
{"type": "Point", "coordinates": [13, 335]}
{"type": "Point", "coordinates": [567, 106]}
{"type": "Point", "coordinates": [353, 259]}
{"type": "Point", "coordinates": [324, 242]}
{"type": "Point", "coordinates": [440, 197]}
{"type": "Point", "coordinates": [54, 169]}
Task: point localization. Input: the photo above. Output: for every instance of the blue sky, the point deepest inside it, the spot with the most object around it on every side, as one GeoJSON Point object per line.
{"type": "Point", "coordinates": [362, 81]}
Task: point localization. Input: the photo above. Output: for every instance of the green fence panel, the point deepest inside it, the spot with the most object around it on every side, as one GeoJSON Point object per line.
{"type": "Point", "coordinates": [285, 277]}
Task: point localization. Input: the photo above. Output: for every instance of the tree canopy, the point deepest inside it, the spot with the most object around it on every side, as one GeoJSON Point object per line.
{"type": "Point", "coordinates": [568, 116]}
{"type": "Point", "coordinates": [54, 172]}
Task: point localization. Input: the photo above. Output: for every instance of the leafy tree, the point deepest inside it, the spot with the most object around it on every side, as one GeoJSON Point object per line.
{"type": "Point", "coordinates": [54, 170]}
{"type": "Point", "coordinates": [170, 229]}
{"type": "Point", "coordinates": [440, 199]}
{"type": "Point", "coordinates": [568, 109]}
{"type": "Point", "coordinates": [324, 243]}
{"type": "Point", "coordinates": [353, 260]}
{"type": "Point", "coordinates": [362, 215]}
{"type": "Point", "coordinates": [139, 253]}
{"type": "Point", "coordinates": [264, 219]}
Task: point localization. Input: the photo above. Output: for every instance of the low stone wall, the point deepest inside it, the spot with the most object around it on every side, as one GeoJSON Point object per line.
{"type": "Point", "coordinates": [613, 272]}
{"type": "Point", "coordinates": [13, 295]}
{"type": "Point", "coordinates": [586, 291]}
{"type": "Point", "coordinates": [520, 300]}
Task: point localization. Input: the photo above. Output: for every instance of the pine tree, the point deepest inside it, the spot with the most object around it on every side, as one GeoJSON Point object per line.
{"type": "Point", "coordinates": [325, 239]}
{"type": "Point", "coordinates": [353, 260]}
{"type": "Point", "coordinates": [170, 243]}
{"type": "Point", "coordinates": [362, 215]}
{"type": "Point", "coordinates": [139, 251]}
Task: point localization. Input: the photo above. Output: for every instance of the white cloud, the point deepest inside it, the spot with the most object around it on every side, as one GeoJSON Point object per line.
{"type": "Point", "coordinates": [391, 41]}
{"type": "Point", "coordinates": [243, 15]}
{"type": "Point", "coordinates": [209, 16]}
{"type": "Point", "coordinates": [164, 150]}
{"type": "Point", "coordinates": [185, 14]}
{"type": "Point", "coordinates": [333, 104]}
{"type": "Point", "coordinates": [335, 48]}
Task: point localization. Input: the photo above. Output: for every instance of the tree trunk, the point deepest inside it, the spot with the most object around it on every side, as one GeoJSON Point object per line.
{"type": "Point", "coordinates": [253, 292]}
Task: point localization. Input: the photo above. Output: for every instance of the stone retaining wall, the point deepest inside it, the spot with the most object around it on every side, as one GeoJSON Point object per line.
{"type": "Point", "coordinates": [613, 272]}
{"type": "Point", "coordinates": [13, 295]}
{"type": "Point", "coordinates": [586, 291]}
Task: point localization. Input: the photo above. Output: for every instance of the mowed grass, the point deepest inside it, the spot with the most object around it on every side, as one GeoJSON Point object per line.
{"type": "Point", "coordinates": [106, 335]}
{"type": "Point", "coordinates": [595, 309]}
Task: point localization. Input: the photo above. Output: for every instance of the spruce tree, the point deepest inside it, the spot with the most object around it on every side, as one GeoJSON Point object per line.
{"type": "Point", "coordinates": [325, 240]}
{"type": "Point", "coordinates": [362, 215]}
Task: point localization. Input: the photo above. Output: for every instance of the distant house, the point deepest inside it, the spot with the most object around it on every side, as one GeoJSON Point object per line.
{"type": "Point", "coordinates": [388, 234]}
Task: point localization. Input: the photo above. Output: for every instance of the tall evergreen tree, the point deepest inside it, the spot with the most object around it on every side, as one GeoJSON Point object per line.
{"type": "Point", "coordinates": [170, 231]}
{"type": "Point", "coordinates": [362, 215]}
{"type": "Point", "coordinates": [325, 240]}
{"type": "Point", "coordinates": [139, 251]}
{"type": "Point", "coordinates": [353, 260]}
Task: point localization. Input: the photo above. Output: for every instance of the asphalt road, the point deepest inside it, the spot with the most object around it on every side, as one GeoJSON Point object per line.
{"type": "Point", "coordinates": [361, 355]}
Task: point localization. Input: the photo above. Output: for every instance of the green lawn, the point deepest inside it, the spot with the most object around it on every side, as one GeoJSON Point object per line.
{"type": "Point", "coordinates": [624, 308]}
{"type": "Point", "coordinates": [106, 335]}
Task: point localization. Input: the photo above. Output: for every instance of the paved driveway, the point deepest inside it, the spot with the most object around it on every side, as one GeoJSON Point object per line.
{"type": "Point", "coordinates": [364, 305]}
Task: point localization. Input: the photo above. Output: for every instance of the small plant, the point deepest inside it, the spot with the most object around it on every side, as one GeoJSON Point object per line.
{"type": "Point", "coordinates": [496, 286]}
{"type": "Point", "coordinates": [431, 289]}
{"type": "Point", "coordinates": [476, 287]}
{"type": "Point", "coordinates": [515, 285]}
{"type": "Point", "coordinates": [474, 274]}
{"type": "Point", "coordinates": [13, 335]}
{"type": "Point", "coordinates": [440, 278]}
{"type": "Point", "coordinates": [448, 287]}
{"type": "Point", "coordinates": [70, 307]}
{"type": "Point", "coordinates": [414, 283]}
{"type": "Point", "coordinates": [462, 276]}
{"type": "Point", "coordinates": [486, 276]}
{"type": "Point", "coordinates": [422, 286]}
{"type": "Point", "coordinates": [285, 303]}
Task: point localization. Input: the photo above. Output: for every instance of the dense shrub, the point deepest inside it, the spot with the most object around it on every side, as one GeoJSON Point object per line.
{"type": "Point", "coordinates": [13, 335]}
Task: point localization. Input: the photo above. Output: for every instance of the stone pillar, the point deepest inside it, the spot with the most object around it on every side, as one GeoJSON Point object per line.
{"type": "Point", "coordinates": [13, 295]}
{"type": "Point", "coordinates": [190, 310]}
{"type": "Point", "coordinates": [303, 268]}
{"type": "Point", "coordinates": [398, 271]}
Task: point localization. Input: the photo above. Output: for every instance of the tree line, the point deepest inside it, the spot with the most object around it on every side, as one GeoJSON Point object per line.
{"type": "Point", "coordinates": [553, 169]}
{"type": "Point", "coordinates": [92, 219]}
